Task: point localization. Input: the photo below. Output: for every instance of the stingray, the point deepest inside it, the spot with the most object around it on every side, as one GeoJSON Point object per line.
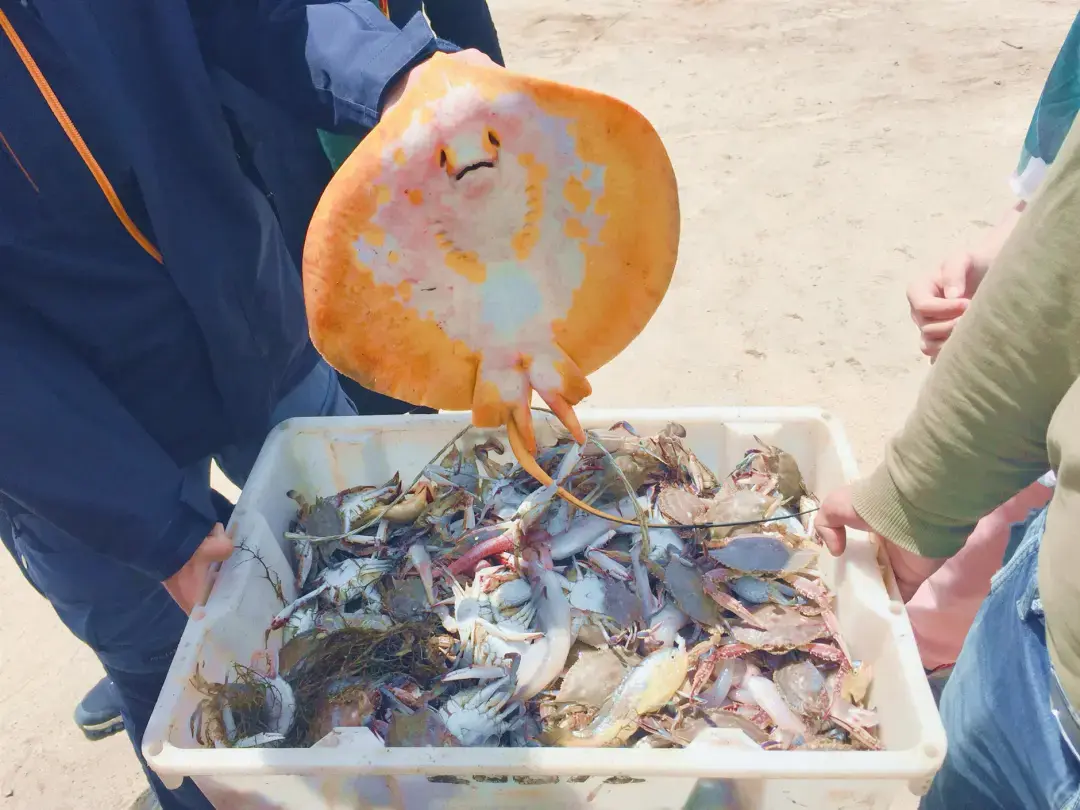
{"type": "Point", "coordinates": [494, 235]}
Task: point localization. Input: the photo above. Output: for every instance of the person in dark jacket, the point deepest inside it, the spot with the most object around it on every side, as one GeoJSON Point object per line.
{"type": "Point", "coordinates": [466, 23]}
{"type": "Point", "coordinates": [151, 315]}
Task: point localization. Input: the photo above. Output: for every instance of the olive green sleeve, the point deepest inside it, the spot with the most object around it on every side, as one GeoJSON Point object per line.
{"type": "Point", "coordinates": [978, 432]}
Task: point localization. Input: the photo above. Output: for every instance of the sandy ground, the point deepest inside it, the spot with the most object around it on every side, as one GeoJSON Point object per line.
{"type": "Point", "coordinates": [827, 150]}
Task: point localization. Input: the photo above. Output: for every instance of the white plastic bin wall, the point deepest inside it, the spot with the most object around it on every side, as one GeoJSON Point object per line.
{"type": "Point", "coordinates": [723, 769]}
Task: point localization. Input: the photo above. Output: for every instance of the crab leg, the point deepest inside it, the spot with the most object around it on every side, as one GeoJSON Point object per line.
{"type": "Point", "coordinates": [359, 540]}
{"type": "Point", "coordinates": [827, 652]}
{"type": "Point", "coordinates": [665, 624]}
{"type": "Point", "coordinates": [734, 650]}
{"type": "Point", "coordinates": [864, 737]}
{"type": "Point", "coordinates": [730, 603]}
{"type": "Point", "coordinates": [474, 673]}
{"type": "Point", "coordinates": [279, 621]}
{"type": "Point", "coordinates": [421, 560]}
{"type": "Point", "coordinates": [508, 635]}
{"type": "Point", "coordinates": [607, 565]}
{"type": "Point", "coordinates": [705, 668]}
{"type": "Point", "coordinates": [569, 462]}
{"type": "Point", "coordinates": [545, 659]}
{"type": "Point", "coordinates": [813, 591]}
{"type": "Point", "coordinates": [641, 581]}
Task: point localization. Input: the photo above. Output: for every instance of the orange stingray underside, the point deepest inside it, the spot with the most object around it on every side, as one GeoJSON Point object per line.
{"type": "Point", "coordinates": [481, 190]}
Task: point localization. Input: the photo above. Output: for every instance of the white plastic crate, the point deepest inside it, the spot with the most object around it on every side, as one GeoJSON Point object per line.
{"type": "Point", "coordinates": [722, 770]}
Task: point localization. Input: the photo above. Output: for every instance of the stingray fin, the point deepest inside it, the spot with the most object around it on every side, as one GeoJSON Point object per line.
{"type": "Point", "coordinates": [503, 396]}
{"type": "Point", "coordinates": [573, 387]}
{"type": "Point", "coordinates": [565, 413]}
{"type": "Point", "coordinates": [489, 406]}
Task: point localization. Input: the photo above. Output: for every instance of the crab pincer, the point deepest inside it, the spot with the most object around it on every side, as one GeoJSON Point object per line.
{"type": "Point", "coordinates": [706, 666]}
{"type": "Point", "coordinates": [485, 548]}
{"type": "Point", "coordinates": [421, 560]}
{"type": "Point", "coordinates": [816, 593]}
{"type": "Point", "coordinates": [727, 601]}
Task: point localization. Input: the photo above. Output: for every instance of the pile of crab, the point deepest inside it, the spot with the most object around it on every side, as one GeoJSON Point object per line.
{"type": "Point", "coordinates": [478, 608]}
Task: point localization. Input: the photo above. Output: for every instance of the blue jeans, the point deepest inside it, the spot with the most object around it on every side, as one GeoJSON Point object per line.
{"type": "Point", "coordinates": [1005, 749]}
{"type": "Point", "coordinates": [1017, 533]}
{"type": "Point", "coordinates": [127, 618]}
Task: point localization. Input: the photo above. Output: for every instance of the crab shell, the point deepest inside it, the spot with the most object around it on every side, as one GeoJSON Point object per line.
{"type": "Point", "coordinates": [352, 577]}
{"type": "Point", "coordinates": [512, 604]}
{"type": "Point", "coordinates": [495, 234]}
{"type": "Point", "coordinates": [475, 716]}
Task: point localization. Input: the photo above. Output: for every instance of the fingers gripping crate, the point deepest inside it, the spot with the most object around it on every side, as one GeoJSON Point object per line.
{"type": "Point", "coordinates": [350, 768]}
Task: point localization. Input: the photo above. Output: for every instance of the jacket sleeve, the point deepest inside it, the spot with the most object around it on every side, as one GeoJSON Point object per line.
{"type": "Point", "coordinates": [330, 63]}
{"type": "Point", "coordinates": [73, 456]}
{"type": "Point", "coordinates": [466, 23]}
{"type": "Point", "coordinates": [978, 433]}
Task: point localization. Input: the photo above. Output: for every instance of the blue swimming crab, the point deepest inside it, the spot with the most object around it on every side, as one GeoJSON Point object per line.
{"type": "Point", "coordinates": [341, 583]}
{"type": "Point", "coordinates": [481, 714]}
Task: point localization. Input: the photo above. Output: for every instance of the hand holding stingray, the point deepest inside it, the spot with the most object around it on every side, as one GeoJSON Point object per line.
{"type": "Point", "coordinates": [495, 234]}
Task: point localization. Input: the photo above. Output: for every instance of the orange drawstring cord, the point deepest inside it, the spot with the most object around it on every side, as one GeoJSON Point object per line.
{"type": "Point", "coordinates": [10, 151]}
{"type": "Point", "coordinates": [76, 139]}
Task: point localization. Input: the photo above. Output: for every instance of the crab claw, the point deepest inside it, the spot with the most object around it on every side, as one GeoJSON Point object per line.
{"type": "Point", "coordinates": [474, 673]}
{"type": "Point", "coordinates": [508, 635]}
{"type": "Point", "coordinates": [607, 565]}
{"type": "Point", "coordinates": [421, 560]}
{"type": "Point", "coordinates": [282, 618]}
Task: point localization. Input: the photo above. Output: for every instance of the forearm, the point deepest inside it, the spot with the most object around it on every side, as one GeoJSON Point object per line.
{"type": "Point", "coordinates": [994, 240]}
{"type": "Point", "coordinates": [332, 64]}
{"type": "Point", "coordinates": [978, 433]}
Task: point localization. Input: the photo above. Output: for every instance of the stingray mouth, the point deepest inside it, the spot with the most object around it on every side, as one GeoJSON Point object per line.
{"type": "Point", "coordinates": [487, 151]}
{"type": "Point", "coordinates": [472, 167]}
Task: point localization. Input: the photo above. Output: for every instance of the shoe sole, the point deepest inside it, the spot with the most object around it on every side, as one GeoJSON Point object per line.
{"type": "Point", "coordinates": [99, 731]}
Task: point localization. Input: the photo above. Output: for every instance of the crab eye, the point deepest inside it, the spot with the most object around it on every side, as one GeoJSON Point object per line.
{"type": "Point", "coordinates": [443, 159]}
{"type": "Point", "coordinates": [493, 138]}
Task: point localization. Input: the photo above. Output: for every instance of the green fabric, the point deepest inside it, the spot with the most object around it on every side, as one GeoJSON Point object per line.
{"type": "Point", "coordinates": [1054, 115]}
{"type": "Point", "coordinates": [1003, 400]}
{"type": "Point", "coordinates": [337, 147]}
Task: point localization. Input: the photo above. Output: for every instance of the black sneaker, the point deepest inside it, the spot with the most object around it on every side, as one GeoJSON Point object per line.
{"type": "Point", "coordinates": [147, 801]}
{"type": "Point", "coordinates": [98, 715]}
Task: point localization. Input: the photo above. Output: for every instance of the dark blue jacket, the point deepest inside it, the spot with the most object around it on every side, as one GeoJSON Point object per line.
{"type": "Point", "coordinates": [119, 372]}
{"type": "Point", "coordinates": [466, 23]}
